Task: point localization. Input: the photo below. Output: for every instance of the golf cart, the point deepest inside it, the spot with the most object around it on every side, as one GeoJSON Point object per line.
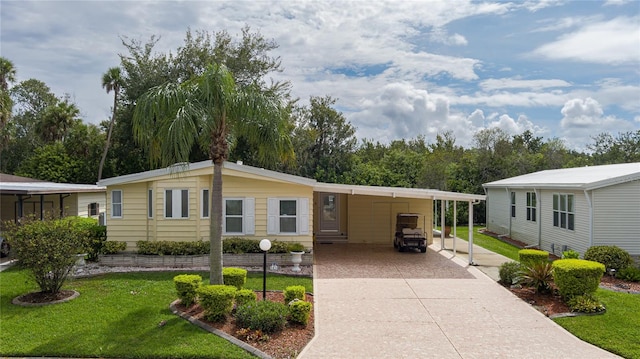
{"type": "Point", "coordinates": [408, 234]}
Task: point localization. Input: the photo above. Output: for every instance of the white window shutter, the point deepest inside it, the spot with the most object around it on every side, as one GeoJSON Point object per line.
{"type": "Point", "coordinates": [303, 215]}
{"type": "Point", "coordinates": [272, 215]}
{"type": "Point", "coordinates": [249, 216]}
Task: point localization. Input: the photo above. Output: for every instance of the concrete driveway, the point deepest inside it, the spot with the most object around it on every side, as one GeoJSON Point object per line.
{"type": "Point", "coordinates": [373, 302]}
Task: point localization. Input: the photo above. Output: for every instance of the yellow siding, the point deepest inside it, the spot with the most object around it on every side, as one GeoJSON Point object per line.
{"type": "Point", "coordinates": [372, 219]}
{"type": "Point", "coordinates": [135, 224]}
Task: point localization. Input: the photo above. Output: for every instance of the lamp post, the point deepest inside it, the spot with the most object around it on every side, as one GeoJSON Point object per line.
{"type": "Point", "coordinates": [265, 245]}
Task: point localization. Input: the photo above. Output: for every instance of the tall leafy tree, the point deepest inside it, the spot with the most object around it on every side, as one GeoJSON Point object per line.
{"type": "Point", "coordinates": [7, 75]}
{"type": "Point", "coordinates": [111, 81]}
{"type": "Point", "coordinates": [325, 141]}
{"type": "Point", "coordinates": [56, 121]}
{"type": "Point", "coordinates": [205, 111]}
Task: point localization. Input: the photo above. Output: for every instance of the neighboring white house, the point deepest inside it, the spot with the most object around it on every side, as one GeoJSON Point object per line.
{"type": "Point", "coordinates": [573, 208]}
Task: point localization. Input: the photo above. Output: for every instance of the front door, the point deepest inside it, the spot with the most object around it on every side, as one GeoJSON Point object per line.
{"type": "Point", "coordinates": [329, 213]}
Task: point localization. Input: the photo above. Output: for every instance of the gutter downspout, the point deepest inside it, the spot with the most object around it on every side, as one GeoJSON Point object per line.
{"type": "Point", "coordinates": [471, 203]}
{"type": "Point", "coordinates": [588, 197]}
{"type": "Point", "coordinates": [509, 210]}
{"type": "Point", "coordinates": [539, 215]}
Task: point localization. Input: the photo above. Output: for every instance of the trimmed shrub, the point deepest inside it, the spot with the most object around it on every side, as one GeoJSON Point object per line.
{"type": "Point", "coordinates": [113, 247]}
{"type": "Point", "coordinates": [299, 312]}
{"type": "Point", "coordinates": [631, 274]}
{"type": "Point", "coordinates": [294, 292]}
{"type": "Point", "coordinates": [538, 275]}
{"type": "Point", "coordinates": [585, 304]}
{"type": "Point", "coordinates": [529, 256]}
{"type": "Point", "coordinates": [236, 277]}
{"type": "Point", "coordinates": [187, 286]}
{"type": "Point", "coordinates": [237, 245]}
{"type": "Point", "coordinates": [611, 256]}
{"type": "Point", "coordinates": [570, 254]}
{"type": "Point", "coordinates": [266, 316]}
{"type": "Point", "coordinates": [245, 296]}
{"type": "Point", "coordinates": [576, 277]}
{"type": "Point", "coordinates": [296, 247]}
{"type": "Point", "coordinates": [509, 273]}
{"type": "Point", "coordinates": [216, 301]}
{"type": "Point", "coordinates": [173, 248]}
{"type": "Point", "coordinates": [47, 249]}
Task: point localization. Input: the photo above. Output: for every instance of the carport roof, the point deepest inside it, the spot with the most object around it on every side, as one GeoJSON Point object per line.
{"type": "Point", "coordinates": [10, 184]}
{"type": "Point", "coordinates": [394, 192]}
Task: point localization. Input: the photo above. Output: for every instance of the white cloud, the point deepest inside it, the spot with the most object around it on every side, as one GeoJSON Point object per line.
{"type": "Point", "coordinates": [608, 42]}
{"type": "Point", "coordinates": [581, 113]}
{"type": "Point", "coordinates": [508, 83]}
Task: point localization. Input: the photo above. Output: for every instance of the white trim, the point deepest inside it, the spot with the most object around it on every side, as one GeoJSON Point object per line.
{"type": "Point", "coordinates": [224, 216]}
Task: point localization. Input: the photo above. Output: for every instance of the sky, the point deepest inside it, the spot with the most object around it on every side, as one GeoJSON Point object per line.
{"type": "Point", "coordinates": [398, 69]}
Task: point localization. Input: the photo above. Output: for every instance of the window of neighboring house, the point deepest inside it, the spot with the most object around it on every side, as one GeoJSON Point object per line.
{"type": "Point", "coordinates": [204, 203]}
{"type": "Point", "coordinates": [176, 203]}
{"type": "Point", "coordinates": [531, 206]}
{"type": "Point", "coordinates": [563, 211]}
{"type": "Point", "coordinates": [513, 204]}
{"type": "Point", "coordinates": [233, 216]}
{"type": "Point", "coordinates": [150, 203]}
{"type": "Point", "coordinates": [93, 209]}
{"type": "Point", "coordinates": [288, 216]}
{"type": "Point", "coordinates": [116, 203]}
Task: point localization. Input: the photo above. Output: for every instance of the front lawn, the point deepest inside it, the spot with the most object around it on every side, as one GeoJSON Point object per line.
{"type": "Point", "coordinates": [618, 330]}
{"type": "Point", "coordinates": [116, 315]}
{"type": "Point", "coordinates": [488, 242]}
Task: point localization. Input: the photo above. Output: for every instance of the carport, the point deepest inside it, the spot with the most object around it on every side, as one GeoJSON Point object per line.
{"type": "Point", "coordinates": [366, 214]}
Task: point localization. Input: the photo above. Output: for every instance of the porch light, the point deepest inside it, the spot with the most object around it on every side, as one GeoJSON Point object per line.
{"type": "Point", "coordinates": [265, 245]}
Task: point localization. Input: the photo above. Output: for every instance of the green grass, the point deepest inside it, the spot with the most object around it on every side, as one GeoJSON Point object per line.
{"type": "Point", "coordinates": [116, 315]}
{"type": "Point", "coordinates": [488, 242]}
{"type": "Point", "coordinates": [617, 330]}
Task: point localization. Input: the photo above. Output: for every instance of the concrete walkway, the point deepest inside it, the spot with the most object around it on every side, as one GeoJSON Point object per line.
{"type": "Point", "coordinates": [372, 302]}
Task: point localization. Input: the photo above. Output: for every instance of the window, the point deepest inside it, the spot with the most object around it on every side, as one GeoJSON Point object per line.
{"type": "Point", "coordinates": [93, 209]}
{"type": "Point", "coordinates": [563, 212]}
{"type": "Point", "coordinates": [204, 202]}
{"type": "Point", "coordinates": [238, 216]}
{"type": "Point", "coordinates": [288, 216]}
{"type": "Point", "coordinates": [233, 215]}
{"type": "Point", "coordinates": [176, 203]}
{"type": "Point", "coordinates": [531, 206]}
{"type": "Point", "coordinates": [150, 203]}
{"type": "Point", "coordinates": [116, 204]}
{"type": "Point", "coordinates": [513, 204]}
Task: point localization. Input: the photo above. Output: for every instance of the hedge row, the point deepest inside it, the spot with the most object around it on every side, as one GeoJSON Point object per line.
{"type": "Point", "coordinates": [233, 245]}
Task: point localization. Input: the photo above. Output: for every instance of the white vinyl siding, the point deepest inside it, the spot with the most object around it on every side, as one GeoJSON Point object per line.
{"type": "Point", "coordinates": [498, 210]}
{"type": "Point", "coordinates": [616, 216]}
{"type": "Point", "coordinates": [176, 203]}
{"type": "Point", "coordinates": [116, 203]}
{"type": "Point", "coordinates": [288, 216]}
{"type": "Point", "coordinates": [238, 216]}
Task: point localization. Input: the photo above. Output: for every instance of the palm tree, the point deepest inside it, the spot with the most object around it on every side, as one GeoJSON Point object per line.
{"type": "Point", "coordinates": [7, 73]}
{"type": "Point", "coordinates": [209, 110]}
{"type": "Point", "coordinates": [56, 121]}
{"type": "Point", "coordinates": [111, 81]}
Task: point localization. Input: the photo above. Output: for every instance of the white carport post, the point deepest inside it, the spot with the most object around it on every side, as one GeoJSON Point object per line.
{"type": "Point", "coordinates": [455, 226]}
{"type": "Point", "coordinates": [442, 224]}
{"type": "Point", "coordinates": [471, 232]}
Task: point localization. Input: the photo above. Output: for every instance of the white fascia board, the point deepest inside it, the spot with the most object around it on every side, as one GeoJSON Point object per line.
{"type": "Point", "coordinates": [142, 176]}
{"type": "Point", "coordinates": [400, 192]}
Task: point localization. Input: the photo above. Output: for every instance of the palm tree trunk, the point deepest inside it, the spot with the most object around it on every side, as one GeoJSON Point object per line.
{"type": "Point", "coordinates": [215, 231]}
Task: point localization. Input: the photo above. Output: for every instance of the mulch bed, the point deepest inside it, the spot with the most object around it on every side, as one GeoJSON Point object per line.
{"type": "Point", "coordinates": [282, 345]}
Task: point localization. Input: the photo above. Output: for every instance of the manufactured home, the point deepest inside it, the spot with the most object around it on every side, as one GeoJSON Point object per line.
{"type": "Point", "coordinates": [572, 208]}
{"type": "Point", "coordinates": [174, 204]}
